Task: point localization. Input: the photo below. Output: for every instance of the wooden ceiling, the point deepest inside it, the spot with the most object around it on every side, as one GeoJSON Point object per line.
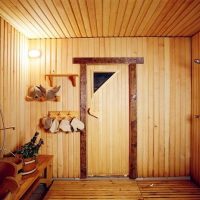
{"type": "Point", "coordinates": [102, 18]}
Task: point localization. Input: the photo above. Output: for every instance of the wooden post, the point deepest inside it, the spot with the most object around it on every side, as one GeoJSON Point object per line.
{"type": "Point", "coordinates": [83, 112]}
{"type": "Point", "coordinates": [48, 175]}
{"type": "Point", "coordinates": [132, 121]}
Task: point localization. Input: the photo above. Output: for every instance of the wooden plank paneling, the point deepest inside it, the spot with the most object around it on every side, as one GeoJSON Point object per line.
{"type": "Point", "coordinates": [123, 189]}
{"type": "Point", "coordinates": [8, 15]}
{"type": "Point", "coordinates": [163, 113]}
{"type": "Point", "coordinates": [37, 9]}
{"type": "Point", "coordinates": [57, 58]}
{"type": "Point", "coordinates": [108, 134]}
{"type": "Point", "coordinates": [195, 137]}
{"type": "Point", "coordinates": [14, 79]}
{"type": "Point", "coordinates": [164, 98]}
{"type": "Point", "coordinates": [169, 189]}
{"type": "Point", "coordinates": [113, 17]}
{"type": "Point", "coordinates": [94, 189]}
{"type": "Point", "coordinates": [78, 16]}
{"type": "Point", "coordinates": [102, 18]}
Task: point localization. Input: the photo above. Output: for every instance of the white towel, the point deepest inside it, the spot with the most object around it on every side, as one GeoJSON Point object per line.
{"type": "Point", "coordinates": [65, 125]}
{"type": "Point", "coordinates": [54, 126]}
{"type": "Point", "coordinates": [77, 124]}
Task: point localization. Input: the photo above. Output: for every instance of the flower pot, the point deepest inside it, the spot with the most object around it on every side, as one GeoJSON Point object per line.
{"type": "Point", "coordinates": [29, 166]}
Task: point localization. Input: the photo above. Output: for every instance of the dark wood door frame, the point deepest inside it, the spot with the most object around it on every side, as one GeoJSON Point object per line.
{"type": "Point", "coordinates": [132, 107]}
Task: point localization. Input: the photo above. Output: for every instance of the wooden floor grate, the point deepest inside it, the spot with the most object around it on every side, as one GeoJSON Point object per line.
{"type": "Point", "coordinates": [123, 189]}
{"type": "Point", "coordinates": [169, 190]}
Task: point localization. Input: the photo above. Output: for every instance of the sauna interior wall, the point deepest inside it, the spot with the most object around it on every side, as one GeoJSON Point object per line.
{"type": "Point", "coordinates": [195, 139]}
{"type": "Point", "coordinates": [164, 99]}
{"type": "Point", "coordinates": [14, 81]}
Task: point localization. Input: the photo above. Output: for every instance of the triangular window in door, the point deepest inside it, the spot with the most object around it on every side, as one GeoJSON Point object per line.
{"type": "Point", "coordinates": [100, 78]}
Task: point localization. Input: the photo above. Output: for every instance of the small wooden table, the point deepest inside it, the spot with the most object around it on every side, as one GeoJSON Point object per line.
{"type": "Point", "coordinates": [30, 182]}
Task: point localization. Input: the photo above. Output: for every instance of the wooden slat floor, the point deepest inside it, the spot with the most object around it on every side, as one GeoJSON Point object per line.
{"type": "Point", "coordinates": [169, 190]}
{"type": "Point", "coordinates": [123, 189]}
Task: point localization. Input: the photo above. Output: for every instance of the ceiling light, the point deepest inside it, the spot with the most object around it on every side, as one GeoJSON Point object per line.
{"type": "Point", "coordinates": [197, 61]}
{"type": "Point", "coordinates": [34, 53]}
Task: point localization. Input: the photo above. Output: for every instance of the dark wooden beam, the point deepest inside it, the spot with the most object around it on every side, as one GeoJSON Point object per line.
{"type": "Point", "coordinates": [83, 102]}
{"type": "Point", "coordinates": [108, 60]}
{"type": "Point", "coordinates": [132, 121]}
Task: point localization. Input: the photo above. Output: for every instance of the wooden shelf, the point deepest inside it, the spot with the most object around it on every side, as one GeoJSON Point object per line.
{"type": "Point", "coordinates": [72, 78]}
{"type": "Point", "coordinates": [42, 99]}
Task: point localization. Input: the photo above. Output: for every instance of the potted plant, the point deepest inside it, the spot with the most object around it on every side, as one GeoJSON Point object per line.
{"type": "Point", "coordinates": [28, 153]}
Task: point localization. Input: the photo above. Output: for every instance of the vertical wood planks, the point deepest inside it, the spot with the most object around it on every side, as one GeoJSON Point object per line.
{"type": "Point", "coordinates": [164, 99]}
{"type": "Point", "coordinates": [163, 83]}
{"type": "Point", "coordinates": [102, 18]}
{"type": "Point", "coordinates": [195, 137]}
{"type": "Point", "coordinates": [13, 84]}
{"type": "Point", "coordinates": [108, 134]}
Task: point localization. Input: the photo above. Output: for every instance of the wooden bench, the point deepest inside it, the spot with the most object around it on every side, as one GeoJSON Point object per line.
{"type": "Point", "coordinates": [30, 182]}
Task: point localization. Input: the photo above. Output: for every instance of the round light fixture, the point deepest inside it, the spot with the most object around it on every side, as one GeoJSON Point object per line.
{"type": "Point", "coordinates": [34, 53]}
{"type": "Point", "coordinates": [197, 61]}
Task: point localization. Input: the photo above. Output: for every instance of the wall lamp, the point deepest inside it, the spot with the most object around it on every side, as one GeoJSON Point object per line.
{"type": "Point", "coordinates": [197, 61]}
{"type": "Point", "coordinates": [34, 53]}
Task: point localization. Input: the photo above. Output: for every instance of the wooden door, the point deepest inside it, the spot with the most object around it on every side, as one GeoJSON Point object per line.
{"type": "Point", "coordinates": [108, 122]}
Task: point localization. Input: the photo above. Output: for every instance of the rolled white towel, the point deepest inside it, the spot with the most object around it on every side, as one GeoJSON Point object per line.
{"type": "Point", "coordinates": [54, 126]}
{"type": "Point", "coordinates": [65, 125]}
{"type": "Point", "coordinates": [77, 124]}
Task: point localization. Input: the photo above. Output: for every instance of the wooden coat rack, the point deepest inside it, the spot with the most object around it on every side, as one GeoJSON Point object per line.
{"type": "Point", "coordinates": [62, 114]}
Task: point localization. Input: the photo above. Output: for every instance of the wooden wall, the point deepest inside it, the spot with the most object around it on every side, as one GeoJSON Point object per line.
{"type": "Point", "coordinates": [164, 99]}
{"type": "Point", "coordinates": [56, 57]}
{"type": "Point", "coordinates": [195, 139]}
{"type": "Point", "coordinates": [14, 80]}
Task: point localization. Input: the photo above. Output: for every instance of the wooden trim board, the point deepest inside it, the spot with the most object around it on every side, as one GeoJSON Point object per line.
{"type": "Point", "coordinates": [83, 113]}
{"type": "Point", "coordinates": [108, 60]}
{"type": "Point", "coordinates": [132, 121]}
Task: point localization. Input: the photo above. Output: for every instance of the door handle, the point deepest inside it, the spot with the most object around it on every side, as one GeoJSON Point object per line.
{"type": "Point", "coordinates": [93, 114]}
